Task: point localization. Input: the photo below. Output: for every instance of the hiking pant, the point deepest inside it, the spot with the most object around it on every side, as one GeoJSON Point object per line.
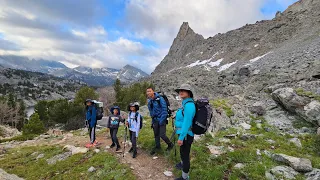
{"type": "Point", "coordinates": [113, 134]}
{"type": "Point", "coordinates": [185, 153]}
{"type": "Point", "coordinates": [92, 134]}
{"type": "Point", "coordinates": [160, 132]}
{"type": "Point", "coordinates": [133, 139]}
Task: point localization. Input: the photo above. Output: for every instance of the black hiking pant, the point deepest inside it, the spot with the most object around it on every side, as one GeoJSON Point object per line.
{"type": "Point", "coordinates": [160, 132]}
{"type": "Point", "coordinates": [113, 134]}
{"type": "Point", "coordinates": [133, 139]}
{"type": "Point", "coordinates": [92, 134]}
{"type": "Point", "coordinates": [185, 153]}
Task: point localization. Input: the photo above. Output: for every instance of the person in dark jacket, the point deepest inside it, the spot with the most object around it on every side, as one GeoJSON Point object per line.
{"type": "Point", "coordinates": [183, 124]}
{"type": "Point", "coordinates": [159, 114]}
{"type": "Point", "coordinates": [113, 125]}
{"type": "Point", "coordinates": [91, 122]}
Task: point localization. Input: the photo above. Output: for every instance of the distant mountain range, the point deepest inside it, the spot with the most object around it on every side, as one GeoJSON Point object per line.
{"type": "Point", "coordinates": [91, 76]}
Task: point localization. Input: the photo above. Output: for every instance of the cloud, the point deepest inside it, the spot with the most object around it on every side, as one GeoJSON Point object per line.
{"type": "Point", "coordinates": [7, 45]}
{"type": "Point", "coordinates": [159, 20]}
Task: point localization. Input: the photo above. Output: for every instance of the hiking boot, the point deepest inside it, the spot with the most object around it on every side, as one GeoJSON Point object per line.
{"type": "Point", "coordinates": [118, 148]}
{"type": "Point", "coordinates": [131, 150]}
{"type": "Point", "coordinates": [134, 155]}
{"type": "Point", "coordinates": [154, 150]}
{"type": "Point", "coordinates": [170, 146]}
{"type": "Point", "coordinates": [112, 145]}
{"type": "Point", "coordinates": [179, 166]}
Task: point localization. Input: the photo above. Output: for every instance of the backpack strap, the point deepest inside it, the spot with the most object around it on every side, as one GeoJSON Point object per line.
{"type": "Point", "coordinates": [136, 116]}
{"type": "Point", "coordinates": [184, 105]}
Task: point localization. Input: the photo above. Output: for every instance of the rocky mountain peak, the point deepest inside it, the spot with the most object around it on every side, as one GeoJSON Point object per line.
{"type": "Point", "coordinates": [301, 5]}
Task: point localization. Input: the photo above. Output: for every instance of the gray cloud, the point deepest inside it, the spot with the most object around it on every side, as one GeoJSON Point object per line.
{"type": "Point", "coordinates": [7, 45]}
{"type": "Point", "coordinates": [79, 12]}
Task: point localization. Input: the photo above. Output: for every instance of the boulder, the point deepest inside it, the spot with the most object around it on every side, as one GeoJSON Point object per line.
{"type": "Point", "coordinates": [216, 150]}
{"type": "Point", "coordinates": [312, 112]}
{"type": "Point", "coordinates": [318, 131]}
{"type": "Point", "coordinates": [91, 169]}
{"type": "Point", "coordinates": [245, 126]}
{"type": "Point", "coordinates": [246, 137]}
{"type": "Point", "coordinates": [239, 166]}
{"type": "Point", "coordinates": [76, 150]}
{"type": "Point", "coordinates": [59, 157]}
{"type": "Point", "coordinates": [313, 175]}
{"type": "Point", "coordinates": [40, 156]}
{"type": "Point", "coordinates": [8, 132]}
{"type": "Point", "coordinates": [258, 108]}
{"type": "Point", "coordinates": [301, 106]}
{"type": "Point", "coordinates": [5, 176]}
{"type": "Point", "coordinates": [281, 171]}
{"type": "Point", "coordinates": [296, 142]}
{"type": "Point", "coordinates": [298, 164]}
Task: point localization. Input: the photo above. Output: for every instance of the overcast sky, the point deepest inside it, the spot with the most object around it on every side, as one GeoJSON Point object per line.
{"type": "Point", "coordinates": [113, 33]}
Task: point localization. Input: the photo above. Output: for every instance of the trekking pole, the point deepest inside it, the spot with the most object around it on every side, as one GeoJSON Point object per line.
{"type": "Point", "coordinates": [125, 140]}
{"type": "Point", "coordinates": [173, 136]}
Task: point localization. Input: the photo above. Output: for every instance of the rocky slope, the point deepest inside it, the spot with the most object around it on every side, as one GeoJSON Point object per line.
{"type": "Point", "coordinates": [245, 65]}
{"type": "Point", "coordinates": [33, 86]}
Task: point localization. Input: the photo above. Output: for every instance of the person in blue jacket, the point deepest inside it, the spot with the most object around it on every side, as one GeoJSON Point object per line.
{"type": "Point", "coordinates": [91, 122]}
{"type": "Point", "coordinates": [159, 114]}
{"type": "Point", "coordinates": [183, 124]}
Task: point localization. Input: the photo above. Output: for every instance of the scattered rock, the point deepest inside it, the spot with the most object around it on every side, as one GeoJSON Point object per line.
{"type": "Point", "coordinates": [5, 176]}
{"type": "Point", "coordinates": [40, 156]}
{"type": "Point", "coordinates": [231, 136]}
{"type": "Point", "coordinates": [296, 142]}
{"type": "Point", "coordinates": [270, 141]}
{"type": "Point", "coordinates": [312, 112]}
{"type": "Point", "coordinates": [267, 129]}
{"type": "Point", "coordinates": [91, 169]}
{"type": "Point", "coordinates": [131, 167]}
{"type": "Point", "coordinates": [8, 132]}
{"type": "Point", "coordinates": [168, 173]}
{"type": "Point", "coordinates": [246, 137]}
{"type": "Point", "coordinates": [76, 150]}
{"type": "Point", "coordinates": [59, 157]}
{"type": "Point", "coordinates": [97, 150]}
{"type": "Point", "coordinates": [35, 153]}
{"type": "Point", "coordinates": [258, 152]}
{"type": "Point", "coordinates": [230, 149]}
{"type": "Point", "coordinates": [298, 164]}
{"type": "Point", "coordinates": [224, 140]}
{"type": "Point", "coordinates": [259, 126]}
{"type": "Point", "coordinates": [282, 171]}
{"type": "Point", "coordinates": [318, 131]}
{"type": "Point", "coordinates": [107, 147]}
{"type": "Point", "coordinates": [258, 108]}
{"type": "Point", "coordinates": [154, 158]}
{"type": "Point", "coordinates": [216, 150]}
{"type": "Point", "coordinates": [245, 126]}
{"type": "Point", "coordinates": [239, 166]}
{"type": "Point", "coordinates": [313, 175]}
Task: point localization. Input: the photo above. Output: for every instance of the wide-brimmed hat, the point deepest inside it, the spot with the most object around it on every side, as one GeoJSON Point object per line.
{"type": "Point", "coordinates": [186, 87]}
{"type": "Point", "coordinates": [115, 107]}
{"type": "Point", "coordinates": [88, 100]}
{"type": "Point", "coordinates": [134, 104]}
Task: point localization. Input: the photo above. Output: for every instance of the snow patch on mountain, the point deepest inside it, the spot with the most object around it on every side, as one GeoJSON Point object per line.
{"type": "Point", "coordinates": [226, 66]}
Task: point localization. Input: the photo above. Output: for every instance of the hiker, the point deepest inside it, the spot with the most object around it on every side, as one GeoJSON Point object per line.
{"type": "Point", "coordinates": [159, 114]}
{"type": "Point", "coordinates": [134, 124]}
{"type": "Point", "coordinates": [183, 124]}
{"type": "Point", "coordinates": [91, 122]}
{"type": "Point", "coordinates": [113, 125]}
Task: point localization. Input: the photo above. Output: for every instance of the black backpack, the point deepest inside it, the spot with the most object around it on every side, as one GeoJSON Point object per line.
{"type": "Point", "coordinates": [136, 119]}
{"type": "Point", "coordinates": [203, 116]}
{"type": "Point", "coordinates": [99, 111]}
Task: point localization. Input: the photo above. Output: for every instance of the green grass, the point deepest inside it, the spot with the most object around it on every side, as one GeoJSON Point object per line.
{"type": "Point", "coordinates": [20, 162]}
{"type": "Point", "coordinates": [19, 138]}
{"type": "Point", "coordinates": [223, 103]}
{"type": "Point", "coordinates": [302, 92]}
{"type": "Point", "coordinates": [205, 166]}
